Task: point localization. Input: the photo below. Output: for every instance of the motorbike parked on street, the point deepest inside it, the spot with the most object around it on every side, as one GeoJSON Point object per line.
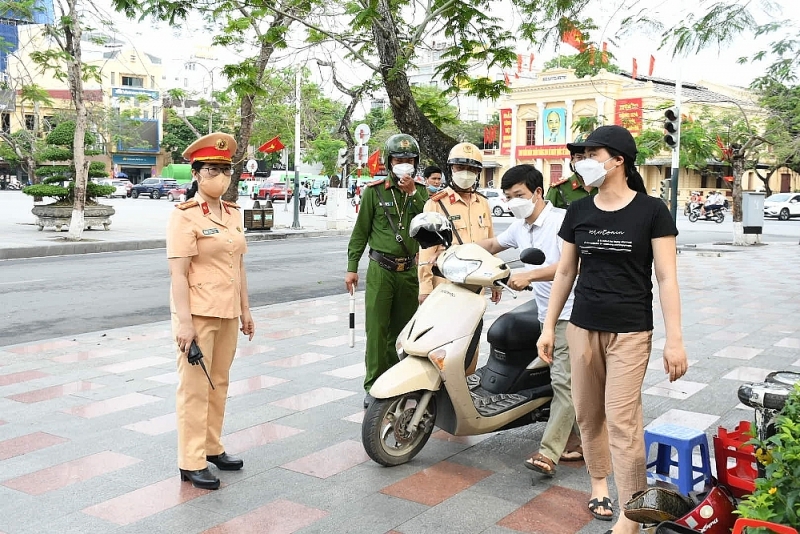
{"type": "Point", "coordinates": [429, 385]}
{"type": "Point", "coordinates": [716, 213]}
{"type": "Point", "coordinates": [322, 199]}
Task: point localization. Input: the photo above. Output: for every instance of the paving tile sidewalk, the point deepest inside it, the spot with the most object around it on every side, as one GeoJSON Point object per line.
{"type": "Point", "coordinates": [87, 425]}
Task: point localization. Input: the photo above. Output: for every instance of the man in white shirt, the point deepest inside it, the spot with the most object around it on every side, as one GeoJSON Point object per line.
{"type": "Point", "coordinates": [714, 201]}
{"type": "Point", "coordinates": [537, 225]}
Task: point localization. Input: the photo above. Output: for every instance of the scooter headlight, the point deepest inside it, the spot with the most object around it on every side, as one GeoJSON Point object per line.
{"type": "Point", "coordinates": [457, 270]}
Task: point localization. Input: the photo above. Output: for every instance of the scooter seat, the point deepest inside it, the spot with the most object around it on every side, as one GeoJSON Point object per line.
{"type": "Point", "coordinates": [517, 329]}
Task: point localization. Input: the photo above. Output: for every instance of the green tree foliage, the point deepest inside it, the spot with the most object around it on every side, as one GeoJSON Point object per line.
{"type": "Point", "coordinates": [585, 64]}
{"type": "Point", "coordinates": [178, 135]}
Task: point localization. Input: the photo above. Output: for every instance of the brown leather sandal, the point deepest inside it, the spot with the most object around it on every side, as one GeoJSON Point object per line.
{"type": "Point", "coordinates": [533, 463]}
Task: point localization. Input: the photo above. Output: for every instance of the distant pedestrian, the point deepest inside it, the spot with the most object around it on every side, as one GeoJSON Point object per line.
{"type": "Point", "coordinates": [206, 247]}
{"type": "Point", "coordinates": [616, 237]}
{"type": "Point", "coordinates": [433, 179]}
{"type": "Point", "coordinates": [387, 207]}
{"type": "Point", "coordinates": [303, 194]}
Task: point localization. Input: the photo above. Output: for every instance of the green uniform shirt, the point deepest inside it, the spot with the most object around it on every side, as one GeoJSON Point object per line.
{"type": "Point", "coordinates": [372, 227]}
{"type": "Point", "coordinates": [565, 192]}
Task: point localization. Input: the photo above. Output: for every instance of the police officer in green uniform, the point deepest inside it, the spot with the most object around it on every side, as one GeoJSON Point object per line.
{"type": "Point", "coordinates": [387, 207]}
{"type": "Point", "coordinates": [562, 194]}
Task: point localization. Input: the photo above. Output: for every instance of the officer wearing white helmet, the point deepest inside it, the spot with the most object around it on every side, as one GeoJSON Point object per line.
{"type": "Point", "coordinates": [467, 210]}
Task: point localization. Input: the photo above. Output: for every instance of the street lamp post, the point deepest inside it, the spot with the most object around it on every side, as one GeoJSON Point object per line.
{"type": "Point", "coordinates": [211, 95]}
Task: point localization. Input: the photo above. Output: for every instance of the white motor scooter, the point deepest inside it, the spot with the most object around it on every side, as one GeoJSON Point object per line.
{"type": "Point", "coordinates": [429, 386]}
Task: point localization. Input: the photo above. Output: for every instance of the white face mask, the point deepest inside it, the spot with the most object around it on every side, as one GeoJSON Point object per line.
{"type": "Point", "coordinates": [402, 169]}
{"type": "Point", "coordinates": [465, 179]}
{"type": "Point", "coordinates": [592, 171]}
{"type": "Point", "coordinates": [522, 208]}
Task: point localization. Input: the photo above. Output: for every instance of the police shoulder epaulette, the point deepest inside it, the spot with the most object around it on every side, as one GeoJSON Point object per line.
{"type": "Point", "coordinates": [188, 204]}
{"type": "Point", "coordinates": [376, 182]}
{"type": "Point", "coordinates": [232, 204]}
{"type": "Point", "coordinates": [562, 181]}
{"type": "Point", "coordinates": [439, 196]}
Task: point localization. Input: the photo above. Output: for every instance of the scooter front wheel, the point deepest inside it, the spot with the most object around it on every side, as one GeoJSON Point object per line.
{"type": "Point", "coordinates": [385, 431]}
{"type": "Point", "coordinates": [693, 217]}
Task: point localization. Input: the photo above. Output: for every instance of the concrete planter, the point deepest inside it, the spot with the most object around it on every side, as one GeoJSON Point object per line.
{"type": "Point", "coordinates": [60, 216]}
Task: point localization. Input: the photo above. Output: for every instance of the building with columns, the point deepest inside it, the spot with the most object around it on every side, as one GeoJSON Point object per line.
{"type": "Point", "coordinates": [539, 117]}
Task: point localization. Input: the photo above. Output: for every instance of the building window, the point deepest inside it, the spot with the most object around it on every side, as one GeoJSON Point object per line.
{"type": "Point", "coordinates": [5, 122]}
{"type": "Point", "coordinates": [530, 133]}
{"type": "Point", "coordinates": [186, 82]}
{"type": "Point", "coordinates": [113, 78]}
{"type": "Point", "coordinates": [555, 172]}
{"type": "Point", "coordinates": [29, 122]}
{"type": "Point", "coordinates": [48, 123]}
{"type": "Point", "coordinates": [152, 82]}
{"type": "Point", "coordinates": [145, 114]}
{"type": "Point", "coordinates": [132, 81]}
{"type": "Point", "coordinates": [156, 111]}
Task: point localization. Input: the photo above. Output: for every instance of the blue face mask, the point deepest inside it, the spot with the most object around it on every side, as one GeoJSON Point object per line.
{"type": "Point", "coordinates": [433, 188]}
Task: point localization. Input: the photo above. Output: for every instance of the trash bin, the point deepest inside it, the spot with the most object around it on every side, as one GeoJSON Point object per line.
{"type": "Point", "coordinates": [258, 217]}
{"type": "Point", "coordinates": [752, 212]}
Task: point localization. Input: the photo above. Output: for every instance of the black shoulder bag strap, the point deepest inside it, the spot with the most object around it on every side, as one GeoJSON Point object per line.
{"type": "Point", "coordinates": [397, 235]}
{"type": "Point", "coordinates": [447, 214]}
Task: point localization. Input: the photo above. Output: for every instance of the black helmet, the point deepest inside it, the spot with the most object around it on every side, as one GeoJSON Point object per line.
{"type": "Point", "coordinates": [430, 229]}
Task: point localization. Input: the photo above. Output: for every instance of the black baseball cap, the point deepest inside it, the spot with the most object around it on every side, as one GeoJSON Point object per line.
{"type": "Point", "coordinates": [616, 137]}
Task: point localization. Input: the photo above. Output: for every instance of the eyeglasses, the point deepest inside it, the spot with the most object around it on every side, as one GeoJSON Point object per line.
{"type": "Point", "coordinates": [214, 171]}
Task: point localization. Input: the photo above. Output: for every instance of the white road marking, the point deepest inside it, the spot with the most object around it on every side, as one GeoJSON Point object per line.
{"type": "Point", "coordinates": [22, 281]}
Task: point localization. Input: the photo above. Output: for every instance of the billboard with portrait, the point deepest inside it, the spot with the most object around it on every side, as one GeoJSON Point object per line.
{"type": "Point", "coordinates": [554, 126]}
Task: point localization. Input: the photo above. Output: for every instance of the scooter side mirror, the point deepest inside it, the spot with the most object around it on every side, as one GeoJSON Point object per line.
{"type": "Point", "coordinates": [532, 256]}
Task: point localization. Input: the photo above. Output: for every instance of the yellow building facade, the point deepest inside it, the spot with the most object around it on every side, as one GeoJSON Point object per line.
{"type": "Point", "coordinates": [129, 84]}
{"type": "Point", "coordinates": [539, 116]}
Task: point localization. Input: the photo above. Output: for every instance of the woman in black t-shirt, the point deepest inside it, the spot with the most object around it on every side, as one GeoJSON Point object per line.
{"type": "Point", "coordinates": [616, 237]}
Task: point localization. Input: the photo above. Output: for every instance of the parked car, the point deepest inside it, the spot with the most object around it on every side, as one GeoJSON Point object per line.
{"type": "Point", "coordinates": [273, 191]}
{"type": "Point", "coordinates": [498, 202]}
{"type": "Point", "coordinates": [179, 193]}
{"type": "Point", "coordinates": [119, 188]}
{"type": "Point", "coordinates": [155, 187]}
{"type": "Point", "coordinates": [782, 205]}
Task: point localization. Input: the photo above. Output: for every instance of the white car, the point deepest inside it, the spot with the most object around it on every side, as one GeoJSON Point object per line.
{"type": "Point", "coordinates": [120, 189]}
{"type": "Point", "coordinates": [783, 206]}
{"type": "Point", "coordinates": [498, 202]}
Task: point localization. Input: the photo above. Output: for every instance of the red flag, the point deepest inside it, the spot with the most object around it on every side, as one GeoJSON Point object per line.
{"type": "Point", "coordinates": [635, 72]}
{"type": "Point", "coordinates": [506, 79]}
{"type": "Point", "coordinates": [516, 75]}
{"type": "Point", "coordinates": [591, 55]}
{"type": "Point", "coordinates": [492, 134]}
{"type": "Point", "coordinates": [485, 135]}
{"type": "Point", "coordinates": [719, 143]}
{"type": "Point", "coordinates": [604, 55]}
{"type": "Point", "coordinates": [374, 162]}
{"type": "Point", "coordinates": [530, 63]}
{"type": "Point", "coordinates": [574, 38]}
{"type": "Point", "coordinates": [273, 145]}
{"type": "Point", "coordinates": [519, 62]}
{"type": "Point", "coordinates": [652, 65]}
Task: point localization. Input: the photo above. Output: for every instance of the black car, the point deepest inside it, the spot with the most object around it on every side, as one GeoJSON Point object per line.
{"type": "Point", "coordinates": [155, 187]}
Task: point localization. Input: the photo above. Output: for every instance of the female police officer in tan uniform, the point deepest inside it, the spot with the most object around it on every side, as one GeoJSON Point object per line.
{"type": "Point", "coordinates": [205, 247]}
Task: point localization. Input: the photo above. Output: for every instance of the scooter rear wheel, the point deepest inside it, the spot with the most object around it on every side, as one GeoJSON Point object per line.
{"type": "Point", "coordinates": [693, 217]}
{"type": "Point", "coordinates": [384, 430]}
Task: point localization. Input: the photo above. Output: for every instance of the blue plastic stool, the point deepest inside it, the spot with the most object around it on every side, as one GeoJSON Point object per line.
{"type": "Point", "coordinates": [684, 440]}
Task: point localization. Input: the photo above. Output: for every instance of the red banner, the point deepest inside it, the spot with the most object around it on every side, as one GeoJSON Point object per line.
{"type": "Point", "coordinates": [505, 131]}
{"type": "Point", "coordinates": [628, 113]}
{"type": "Point", "coordinates": [542, 152]}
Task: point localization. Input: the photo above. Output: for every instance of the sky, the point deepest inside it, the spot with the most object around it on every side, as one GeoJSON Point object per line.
{"type": "Point", "coordinates": [716, 65]}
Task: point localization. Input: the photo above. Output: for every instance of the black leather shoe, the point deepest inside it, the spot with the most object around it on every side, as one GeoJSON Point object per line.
{"type": "Point", "coordinates": [200, 479]}
{"type": "Point", "coordinates": [368, 400]}
{"type": "Point", "coordinates": [225, 462]}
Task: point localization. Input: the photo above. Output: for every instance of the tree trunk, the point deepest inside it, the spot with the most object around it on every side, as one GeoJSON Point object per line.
{"type": "Point", "coordinates": [409, 118]}
{"type": "Point", "coordinates": [736, 209]}
{"type": "Point", "coordinates": [72, 45]}
{"type": "Point", "coordinates": [247, 110]}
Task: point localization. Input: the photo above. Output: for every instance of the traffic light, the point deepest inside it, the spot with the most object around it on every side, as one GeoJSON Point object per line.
{"type": "Point", "coordinates": [672, 125]}
{"type": "Point", "coordinates": [665, 186]}
{"type": "Point", "coordinates": [342, 159]}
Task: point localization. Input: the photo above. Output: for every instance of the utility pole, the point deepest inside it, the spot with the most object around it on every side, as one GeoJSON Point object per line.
{"type": "Point", "coordinates": [296, 195]}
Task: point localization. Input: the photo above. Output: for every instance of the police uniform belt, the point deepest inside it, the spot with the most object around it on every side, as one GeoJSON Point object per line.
{"type": "Point", "coordinates": [391, 263]}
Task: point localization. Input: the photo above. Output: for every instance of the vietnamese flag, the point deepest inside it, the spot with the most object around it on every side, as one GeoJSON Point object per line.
{"type": "Point", "coordinates": [604, 56]}
{"type": "Point", "coordinates": [574, 38]}
{"type": "Point", "coordinates": [635, 69]}
{"type": "Point", "coordinates": [652, 65]}
{"type": "Point", "coordinates": [273, 145]}
{"type": "Point", "coordinates": [374, 162]}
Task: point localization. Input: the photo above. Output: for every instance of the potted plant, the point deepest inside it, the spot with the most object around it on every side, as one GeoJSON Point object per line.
{"type": "Point", "coordinates": [58, 182]}
{"type": "Point", "coordinates": [777, 496]}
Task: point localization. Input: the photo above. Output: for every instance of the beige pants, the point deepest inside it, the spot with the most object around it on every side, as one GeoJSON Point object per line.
{"type": "Point", "coordinates": [607, 375]}
{"type": "Point", "coordinates": [200, 409]}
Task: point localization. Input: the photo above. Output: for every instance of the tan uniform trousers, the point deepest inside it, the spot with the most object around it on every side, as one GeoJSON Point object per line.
{"type": "Point", "coordinates": [201, 410]}
{"type": "Point", "coordinates": [607, 374]}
